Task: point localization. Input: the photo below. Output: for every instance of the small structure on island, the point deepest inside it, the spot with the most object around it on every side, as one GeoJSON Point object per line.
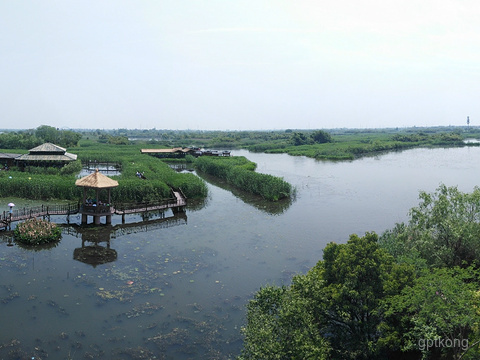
{"type": "Point", "coordinates": [96, 207]}
{"type": "Point", "coordinates": [46, 155]}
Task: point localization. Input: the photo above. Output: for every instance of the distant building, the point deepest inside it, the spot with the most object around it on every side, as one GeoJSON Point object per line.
{"type": "Point", "coordinates": [181, 152]}
{"type": "Point", "coordinates": [7, 160]}
{"type": "Point", "coordinates": [46, 155]}
{"type": "Point", "coordinates": [168, 153]}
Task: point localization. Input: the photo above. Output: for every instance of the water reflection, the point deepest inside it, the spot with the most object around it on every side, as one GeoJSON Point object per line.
{"type": "Point", "coordinates": [95, 254]}
{"type": "Point", "coordinates": [179, 292]}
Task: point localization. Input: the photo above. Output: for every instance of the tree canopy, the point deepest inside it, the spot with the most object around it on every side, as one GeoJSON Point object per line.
{"type": "Point", "coordinates": [412, 293]}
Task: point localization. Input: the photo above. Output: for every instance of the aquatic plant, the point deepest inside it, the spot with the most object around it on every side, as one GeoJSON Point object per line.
{"type": "Point", "coordinates": [37, 232]}
{"type": "Point", "coordinates": [240, 172]}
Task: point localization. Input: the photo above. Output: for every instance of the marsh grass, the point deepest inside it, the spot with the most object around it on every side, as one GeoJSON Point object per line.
{"type": "Point", "coordinates": [240, 172]}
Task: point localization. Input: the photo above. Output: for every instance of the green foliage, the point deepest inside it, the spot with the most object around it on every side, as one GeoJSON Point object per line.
{"type": "Point", "coordinates": [37, 232]}
{"type": "Point", "coordinates": [444, 229]}
{"type": "Point", "coordinates": [299, 139]}
{"type": "Point", "coordinates": [334, 311]}
{"type": "Point", "coordinates": [28, 139]}
{"type": "Point", "coordinates": [321, 137]}
{"type": "Point", "coordinates": [441, 304]}
{"type": "Point", "coordinates": [73, 168]}
{"type": "Point", "coordinates": [118, 140]}
{"type": "Point", "coordinates": [65, 138]}
{"type": "Point", "coordinates": [60, 183]}
{"type": "Point", "coordinates": [38, 186]}
{"type": "Point", "coordinates": [239, 171]}
{"type": "Point", "coordinates": [280, 325]}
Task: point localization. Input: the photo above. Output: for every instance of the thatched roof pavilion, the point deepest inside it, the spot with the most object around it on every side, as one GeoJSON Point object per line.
{"type": "Point", "coordinates": [96, 208]}
{"type": "Point", "coordinates": [47, 154]}
{"type": "Point", "coordinates": [96, 180]}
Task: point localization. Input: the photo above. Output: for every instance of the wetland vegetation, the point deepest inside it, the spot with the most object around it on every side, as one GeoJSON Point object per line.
{"type": "Point", "coordinates": [370, 296]}
{"type": "Point", "coordinates": [382, 297]}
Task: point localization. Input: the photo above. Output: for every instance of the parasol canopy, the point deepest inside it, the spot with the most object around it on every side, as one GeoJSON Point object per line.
{"type": "Point", "coordinates": [11, 204]}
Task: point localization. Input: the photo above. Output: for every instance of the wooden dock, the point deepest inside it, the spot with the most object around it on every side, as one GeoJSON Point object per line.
{"type": "Point", "coordinates": [177, 203]}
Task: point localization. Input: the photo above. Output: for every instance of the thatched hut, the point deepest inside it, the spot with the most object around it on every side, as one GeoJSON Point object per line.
{"type": "Point", "coordinates": [96, 207]}
{"type": "Point", "coordinates": [47, 154]}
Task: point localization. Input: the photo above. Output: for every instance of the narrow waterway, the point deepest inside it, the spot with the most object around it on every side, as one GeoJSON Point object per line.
{"type": "Point", "coordinates": [177, 289]}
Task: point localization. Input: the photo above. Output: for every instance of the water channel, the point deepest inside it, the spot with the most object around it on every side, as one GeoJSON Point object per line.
{"type": "Point", "coordinates": [176, 288]}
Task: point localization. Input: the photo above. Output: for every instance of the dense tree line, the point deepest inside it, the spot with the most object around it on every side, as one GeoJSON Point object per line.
{"type": "Point", "coordinates": [29, 139]}
{"type": "Point", "coordinates": [412, 293]}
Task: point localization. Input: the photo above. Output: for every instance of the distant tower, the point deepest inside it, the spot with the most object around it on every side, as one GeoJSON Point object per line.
{"type": "Point", "coordinates": [468, 120]}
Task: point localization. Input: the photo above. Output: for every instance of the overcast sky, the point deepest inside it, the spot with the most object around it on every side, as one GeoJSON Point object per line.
{"type": "Point", "coordinates": [237, 65]}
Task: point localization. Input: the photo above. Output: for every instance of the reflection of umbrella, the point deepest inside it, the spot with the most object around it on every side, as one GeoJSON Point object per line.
{"type": "Point", "coordinates": [11, 204]}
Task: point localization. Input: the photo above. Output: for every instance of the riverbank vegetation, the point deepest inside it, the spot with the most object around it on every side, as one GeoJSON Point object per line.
{"type": "Point", "coordinates": [410, 293]}
{"type": "Point", "coordinates": [327, 144]}
{"type": "Point", "coordinates": [240, 172]}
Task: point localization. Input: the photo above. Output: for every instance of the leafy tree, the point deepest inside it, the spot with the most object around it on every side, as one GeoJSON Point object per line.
{"type": "Point", "coordinates": [299, 139]}
{"type": "Point", "coordinates": [118, 140]}
{"type": "Point", "coordinates": [280, 326]}
{"type": "Point", "coordinates": [334, 311]}
{"type": "Point", "coordinates": [321, 137]}
{"type": "Point", "coordinates": [444, 229]}
{"type": "Point", "coordinates": [439, 313]}
{"type": "Point", "coordinates": [47, 133]}
{"type": "Point", "coordinates": [358, 276]}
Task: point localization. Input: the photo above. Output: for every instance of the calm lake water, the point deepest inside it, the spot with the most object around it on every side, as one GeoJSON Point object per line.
{"type": "Point", "coordinates": [176, 288]}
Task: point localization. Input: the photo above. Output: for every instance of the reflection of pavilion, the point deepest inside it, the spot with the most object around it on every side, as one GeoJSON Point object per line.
{"type": "Point", "coordinates": [96, 254]}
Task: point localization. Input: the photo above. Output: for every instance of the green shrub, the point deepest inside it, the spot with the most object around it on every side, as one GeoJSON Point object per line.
{"type": "Point", "coordinates": [37, 232]}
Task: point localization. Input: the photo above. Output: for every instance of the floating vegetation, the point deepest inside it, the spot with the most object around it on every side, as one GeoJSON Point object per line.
{"type": "Point", "coordinates": [60, 310]}
{"type": "Point", "coordinates": [137, 353]}
{"type": "Point", "coordinates": [37, 232]}
{"type": "Point", "coordinates": [8, 294]}
{"type": "Point", "coordinates": [143, 309]}
{"type": "Point", "coordinates": [175, 337]}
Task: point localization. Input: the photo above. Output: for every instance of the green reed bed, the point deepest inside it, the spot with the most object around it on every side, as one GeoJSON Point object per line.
{"type": "Point", "coordinates": [38, 186]}
{"type": "Point", "coordinates": [52, 183]}
{"type": "Point", "coordinates": [240, 172]}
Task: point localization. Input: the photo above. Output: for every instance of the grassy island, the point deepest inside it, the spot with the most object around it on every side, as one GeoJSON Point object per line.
{"type": "Point", "coordinates": [240, 172]}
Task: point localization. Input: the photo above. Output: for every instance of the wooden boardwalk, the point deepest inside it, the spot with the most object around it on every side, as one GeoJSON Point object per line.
{"type": "Point", "coordinates": [177, 203]}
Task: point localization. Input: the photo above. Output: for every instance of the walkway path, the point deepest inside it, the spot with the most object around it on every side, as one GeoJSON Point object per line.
{"type": "Point", "coordinates": [177, 203]}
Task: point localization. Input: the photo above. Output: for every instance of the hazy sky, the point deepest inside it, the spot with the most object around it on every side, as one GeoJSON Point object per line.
{"type": "Point", "coordinates": [246, 64]}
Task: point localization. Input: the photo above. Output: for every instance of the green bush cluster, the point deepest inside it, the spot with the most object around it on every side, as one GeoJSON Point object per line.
{"type": "Point", "coordinates": [382, 297]}
{"type": "Point", "coordinates": [240, 172]}
{"type": "Point", "coordinates": [37, 232]}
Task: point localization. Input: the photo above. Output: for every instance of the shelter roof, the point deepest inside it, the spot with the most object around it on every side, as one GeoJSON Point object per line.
{"type": "Point", "coordinates": [48, 157]}
{"type": "Point", "coordinates": [48, 152]}
{"type": "Point", "coordinates": [96, 180]}
{"type": "Point", "coordinates": [48, 148]}
{"type": "Point", "coordinates": [9, 156]}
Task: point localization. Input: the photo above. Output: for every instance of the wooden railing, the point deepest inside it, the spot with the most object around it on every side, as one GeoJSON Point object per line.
{"type": "Point", "coordinates": [178, 200]}
{"type": "Point", "coordinates": [43, 210]}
